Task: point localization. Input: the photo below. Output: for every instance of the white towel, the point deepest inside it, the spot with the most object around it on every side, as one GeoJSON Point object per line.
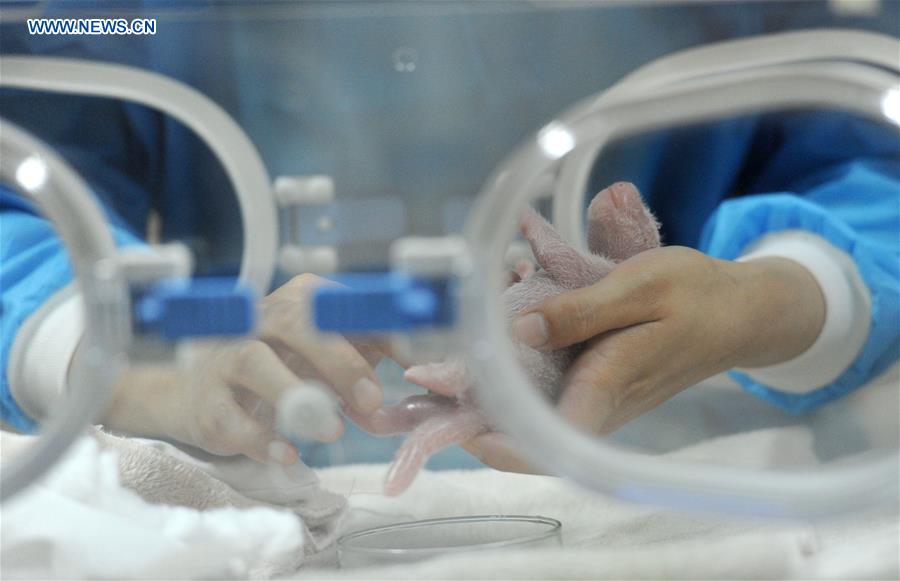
{"type": "Point", "coordinates": [128, 508]}
{"type": "Point", "coordinates": [162, 473]}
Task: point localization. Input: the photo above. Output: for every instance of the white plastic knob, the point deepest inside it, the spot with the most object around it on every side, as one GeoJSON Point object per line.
{"type": "Point", "coordinates": [144, 265]}
{"type": "Point", "coordinates": [317, 259]}
{"type": "Point", "coordinates": [431, 257]}
{"type": "Point", "coordinates": [308, 412]}
{"type": "Point", "coordinates": [300, 190]}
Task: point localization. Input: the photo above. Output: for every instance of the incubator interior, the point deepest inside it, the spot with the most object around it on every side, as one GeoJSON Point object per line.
{"type": "Point", "coordinates": [365, 171]}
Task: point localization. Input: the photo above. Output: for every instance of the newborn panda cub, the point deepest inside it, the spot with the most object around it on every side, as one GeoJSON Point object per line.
{"type": "Point", "coordinates": [619, 226]}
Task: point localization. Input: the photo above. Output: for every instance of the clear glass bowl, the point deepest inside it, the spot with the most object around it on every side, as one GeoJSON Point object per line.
{"type": "Point", "coordinates": [424, 539]}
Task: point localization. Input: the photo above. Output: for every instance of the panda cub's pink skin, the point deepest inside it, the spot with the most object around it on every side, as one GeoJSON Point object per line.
{"type": "Point", "coordinates": [619, 226]}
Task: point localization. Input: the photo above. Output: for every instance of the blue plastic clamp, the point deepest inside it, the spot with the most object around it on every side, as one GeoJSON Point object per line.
{"type": "Point", "coordinates": [177, 309]}
{"type": "Point", "coordinates": [383, 302]}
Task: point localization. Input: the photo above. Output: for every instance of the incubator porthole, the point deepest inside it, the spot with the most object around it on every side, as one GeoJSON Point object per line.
{"type": "Point", "coordinates": [644, 450]}
{"type": "Point", "coordinates": [106, 269]}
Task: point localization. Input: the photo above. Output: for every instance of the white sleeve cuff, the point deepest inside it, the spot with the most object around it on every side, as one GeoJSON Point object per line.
{"type": "Point", "coordinates": [42, 351]}
{"type": "Point", "coordinates": [848, 308]}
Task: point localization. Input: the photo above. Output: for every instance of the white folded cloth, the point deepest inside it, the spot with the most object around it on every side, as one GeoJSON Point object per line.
{"type": "Point", "coordinates": [129, 508]}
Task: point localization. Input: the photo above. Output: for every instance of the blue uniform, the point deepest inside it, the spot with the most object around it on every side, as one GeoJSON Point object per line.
{"type": "Point", "coordinates": [715, 187]}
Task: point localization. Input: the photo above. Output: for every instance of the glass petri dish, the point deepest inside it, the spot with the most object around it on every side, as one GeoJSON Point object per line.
{"type": "Point", "coordinates": [419, 540]}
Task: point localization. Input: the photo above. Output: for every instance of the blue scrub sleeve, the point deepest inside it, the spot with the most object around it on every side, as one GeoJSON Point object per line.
{"type": "Point", "coordinates": [856, 207]}
{"type": "Point", "coordinates": [33, 265]}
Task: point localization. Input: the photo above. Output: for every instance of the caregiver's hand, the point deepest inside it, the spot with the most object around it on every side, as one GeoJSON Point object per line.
{"type": "Point", "coordinates": [661, 321]}
{"type": "Point", "coordinates": [223, 398]}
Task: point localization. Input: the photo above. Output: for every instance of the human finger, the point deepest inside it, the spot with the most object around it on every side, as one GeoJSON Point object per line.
{"type": "Point", "coordinates": [256, 367]}
{"type": "Point", "coordinates": [287, 326]}
{"type": "Point", "coordinates": [374, 350]}
{"type": "Point", "coordinates": [498, 451]}
{"type": "Point", "coordinates": [573, 317]}
{"type": "Point", "coordinates": [260, 371]}
{"type": "Point", "coordinates": [613, 380]}
{"type": "Point", "coordinates": [340, 365]}
{"type": "Point", "coordinates": [225, 428]}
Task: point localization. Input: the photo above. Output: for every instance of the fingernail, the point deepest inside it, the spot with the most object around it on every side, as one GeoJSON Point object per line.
{"type": "Point", "coordinates": [283, 453]}
{"type": "Point", "coordinates": [366, 395]}
{"type": "Point", "coordinates": [531, 330]}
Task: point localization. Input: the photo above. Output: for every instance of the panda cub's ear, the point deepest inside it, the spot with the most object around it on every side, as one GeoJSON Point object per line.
{"type": "Point", "coordinates": [566, 265]}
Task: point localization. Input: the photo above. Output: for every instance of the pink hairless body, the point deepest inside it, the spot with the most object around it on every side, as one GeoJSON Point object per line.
{"type": "Point", "coordinates": [619, 226]}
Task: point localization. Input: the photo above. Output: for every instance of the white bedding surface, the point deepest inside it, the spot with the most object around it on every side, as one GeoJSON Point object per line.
{"type": "Point", "coordinates": [605, 538]}
{"type": "Point", "coordinates": [602, 538]}
{"type": "Point", "coordinates": [169, 517]}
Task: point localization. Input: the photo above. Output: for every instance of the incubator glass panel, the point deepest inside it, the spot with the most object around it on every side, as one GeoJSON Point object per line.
{"type": "Point", "coordinates": [323, 243]}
